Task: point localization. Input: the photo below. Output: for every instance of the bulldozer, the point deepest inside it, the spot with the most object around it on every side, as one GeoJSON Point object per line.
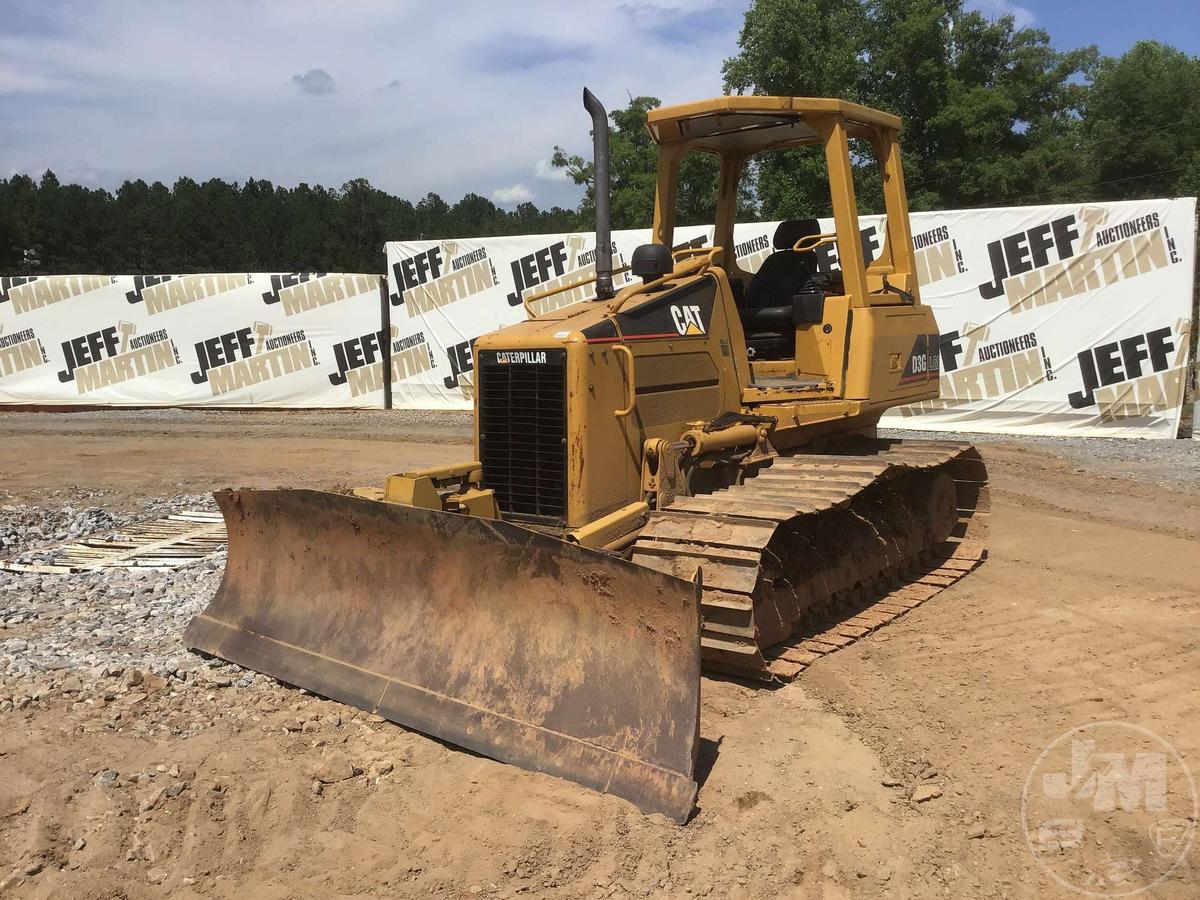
{"type": "Point", "coordinates": [677, 476]}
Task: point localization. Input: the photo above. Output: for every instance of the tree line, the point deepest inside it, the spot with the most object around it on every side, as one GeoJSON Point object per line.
{"type": "Point", "coordinates": [217, 226]}
{"type": "Point", "coordinates": [993, 114]}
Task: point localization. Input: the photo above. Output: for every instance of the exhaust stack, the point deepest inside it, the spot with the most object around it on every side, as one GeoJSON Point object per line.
{"type": "Point", "coordinates": [601, 189]}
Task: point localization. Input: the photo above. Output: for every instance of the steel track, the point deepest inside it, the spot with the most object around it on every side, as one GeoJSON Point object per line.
{"type": "Point", "coordinates": [815, 551]}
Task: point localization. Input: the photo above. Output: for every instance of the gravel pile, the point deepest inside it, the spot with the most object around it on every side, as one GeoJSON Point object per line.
{"type": "Point", "coordinates": [112, 637]}
{"type": "Point", "coordinates": [91, 621]}
{"type": "Point", "coordinates": [25, 528]}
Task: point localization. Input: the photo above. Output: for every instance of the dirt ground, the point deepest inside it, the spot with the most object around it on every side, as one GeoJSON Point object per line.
{"type": "Point", "coordinates": [1087, 610]}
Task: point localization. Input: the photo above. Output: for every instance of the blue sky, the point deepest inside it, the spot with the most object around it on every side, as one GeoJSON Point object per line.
{"type": "Point", "coordinates": [1112, 25]}
{"type": "Point", "coordinates": [451, 97]}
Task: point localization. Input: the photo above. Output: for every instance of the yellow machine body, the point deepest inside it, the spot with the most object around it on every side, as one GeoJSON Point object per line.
{"type": "Point", "coordinates": [659, 359]}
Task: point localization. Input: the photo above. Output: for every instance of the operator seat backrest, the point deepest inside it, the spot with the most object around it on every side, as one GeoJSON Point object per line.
{"type": "Point", "coordinates": [784, 273]}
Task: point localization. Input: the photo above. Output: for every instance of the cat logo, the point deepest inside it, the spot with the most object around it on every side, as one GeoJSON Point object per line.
{"type": "Point", "coordinates": [687, 320]}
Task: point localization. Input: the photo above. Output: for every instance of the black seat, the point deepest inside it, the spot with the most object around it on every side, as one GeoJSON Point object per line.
{"type": "Point", "coordinates": [784, 273]}
{"type": "Point", "coordinates": [782, 294]}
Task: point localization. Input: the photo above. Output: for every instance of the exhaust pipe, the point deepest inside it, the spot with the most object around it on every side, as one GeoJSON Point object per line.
{"type": "Point", "coordinates": [601, 189]}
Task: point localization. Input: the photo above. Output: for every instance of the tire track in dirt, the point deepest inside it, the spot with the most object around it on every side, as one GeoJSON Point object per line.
{"type": "Point", "coordinates": [1059, 628]}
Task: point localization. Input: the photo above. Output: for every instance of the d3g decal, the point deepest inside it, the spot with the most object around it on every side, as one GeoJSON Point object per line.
{"type": "Point", "coordinates": [924, 362]}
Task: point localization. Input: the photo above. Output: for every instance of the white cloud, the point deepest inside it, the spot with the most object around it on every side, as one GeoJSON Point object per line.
{"type": "Point", "coordinates": [314, 81]}
{"type": "Point", "coordinates": [512, 195]}
{"type": "Point", "coordinates": [1024, 17]}
{"type": "Point", "coordinates": [994, 9]}
{"type": "Point", "coordinates": [544, 171]}
{"type": "Point", "coordinates": [206, 90]}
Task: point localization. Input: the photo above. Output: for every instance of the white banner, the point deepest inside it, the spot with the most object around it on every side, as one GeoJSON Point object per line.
{"type": "Point", "coordinates": [1060, 320]}
{"type": "Point", "coordinates": [1054, 320]}
{"type": "Point", "coordinates": [234, 340]}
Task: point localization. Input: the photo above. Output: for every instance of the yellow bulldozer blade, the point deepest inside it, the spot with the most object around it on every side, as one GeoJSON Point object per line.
{"type": "Point", "coordinates": [487, 635]}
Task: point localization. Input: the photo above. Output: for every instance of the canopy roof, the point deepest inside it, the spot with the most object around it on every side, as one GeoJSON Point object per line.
{"type": "Point", "coordinates": [747, 125]}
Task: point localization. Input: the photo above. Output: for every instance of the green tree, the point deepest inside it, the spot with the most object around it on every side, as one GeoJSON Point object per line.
{"type": "Point", "coordinates": [1141, 128]}
{"type": "Point", "coordinates": [432, 217]}
{"type": "Point", "coordinates": [18, 201]}
{"type": "Point", "coordinates": [223, 226]}
{"type": "Point", "coordinates": [633, 166]}
{"type": "Point", "coordinates": [990, 110]}
{"type": "Point", "coordinates": [800, 48]}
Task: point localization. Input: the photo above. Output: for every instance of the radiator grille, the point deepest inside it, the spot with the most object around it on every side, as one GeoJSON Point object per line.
{"type": "Point", "coordinates": [523, 431]}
